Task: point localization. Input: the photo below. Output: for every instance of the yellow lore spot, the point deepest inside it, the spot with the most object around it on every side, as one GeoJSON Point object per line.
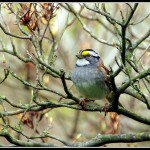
{"type": "Point", "coordinates": [84, 53]}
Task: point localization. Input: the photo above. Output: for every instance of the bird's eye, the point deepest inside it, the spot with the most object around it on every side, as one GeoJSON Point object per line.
{"type": "Point", "coordinates": [88, 55]}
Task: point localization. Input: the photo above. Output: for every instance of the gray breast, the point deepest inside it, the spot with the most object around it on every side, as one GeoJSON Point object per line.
{"type": "Point", "coordinates": [89, 82]}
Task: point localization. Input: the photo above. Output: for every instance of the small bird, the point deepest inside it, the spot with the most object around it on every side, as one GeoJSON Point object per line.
{"type": "Point", "coordinates": [90, 76]}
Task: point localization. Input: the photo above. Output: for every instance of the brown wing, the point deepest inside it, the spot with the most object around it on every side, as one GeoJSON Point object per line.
{"type": "Point", "coordinates": [106, 72]}
{"type": "Point", "coordinates": [102, 67]}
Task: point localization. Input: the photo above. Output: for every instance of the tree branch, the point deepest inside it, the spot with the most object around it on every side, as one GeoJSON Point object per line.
{"type": "Point", "coordinates": [30, 143]}
{"type": "Point", "coordinates": [140, 76]}
{"type": "Point", "coordinates": [100, 139]}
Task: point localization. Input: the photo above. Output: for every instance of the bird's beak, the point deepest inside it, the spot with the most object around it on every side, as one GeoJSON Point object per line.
{"type": "Point", "coordinates": [79, 56]}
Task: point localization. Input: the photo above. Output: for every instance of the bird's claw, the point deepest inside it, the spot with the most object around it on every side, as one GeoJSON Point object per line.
{"type": "Point", "coordinates": [105, 108]}
{"type": "Point", "coordinates": [82, 102]}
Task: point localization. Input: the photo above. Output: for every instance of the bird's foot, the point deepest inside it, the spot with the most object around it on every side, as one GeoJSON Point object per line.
{"type": "Point", "coordinates": [105, 108]}
{"type": "Point", "coordinates": [83, 101]}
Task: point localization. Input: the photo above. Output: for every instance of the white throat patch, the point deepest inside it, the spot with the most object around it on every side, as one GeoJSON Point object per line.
{"type": "Point", "coordinates": [82, 62]}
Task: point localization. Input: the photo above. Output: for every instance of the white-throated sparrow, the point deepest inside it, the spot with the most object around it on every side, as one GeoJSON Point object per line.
{"type": "Point", "coordinates": [90, 76]}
